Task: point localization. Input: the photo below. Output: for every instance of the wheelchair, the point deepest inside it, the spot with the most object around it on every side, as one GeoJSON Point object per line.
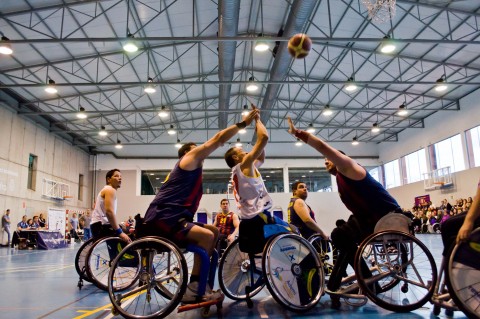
{"type": "Point", "coordinates": [458, 287]}
{"type": "Point", "coordinates": [94, 257]}
{"type": "Point", "coordinates": [288, 265]}
{"type": "Point", "coordinates": [326, 252]}
{"type": "Point", "coordinates": [156, 289]}
{"type": "Point", "coordinates": [402, 269]}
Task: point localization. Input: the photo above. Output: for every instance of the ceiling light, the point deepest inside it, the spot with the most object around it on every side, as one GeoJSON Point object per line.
{"type": "Point", "coordinates": [163, 112]}
{"type": "Point", "coordinates": [119, 145]}
{"type": "Point", "coordinates": [327, 111]}
{"type": "Point", "coordinates": [387, 45]}
{"type": "Point", "coordinates": [310, 171]}
{"type": "Point", "coordinates": [402, 110]}
{"type": "Point", "coordinates": [441, 85]}
{"type": "Point", "coordinates": [375, 128]}
{"type": "Point", "coordinates": [245, 110]}
{"type": "Point", "coordinates": [171, 131]}
{"type": "Point", "coordinates": [261, 45]}
{"type": "Point", "coordinates": [354, 141]}
{"type": "Point", "coordinates": [5, 48]}
{"type": "Point", "coordinates": [81, 113]}
{"type": "Point", "coordinates": [152, 174]}
{"type": "Point", "coordinates": [298, 143]}
{"type": "Point", "coordinates": [178, 144]}
{"type": "Point", "coordinates": [238, 144]}
{"type": "Point", "coordinates": [130, 46]}
{"type": "Point", "coordinates": [103, 132]}
{"type": "Point", "coordinates": [150, 88]}
{"type": "Point", "coordinates": [251, 87]}
{"type": "Point", "coordinates": [242, 131]}
{"type": "Point", "coordinates": [350, 85]}
{"type": "Point", "coordinates": [311, 129]}
{"type": "Point", "coordinates": [51, 87]}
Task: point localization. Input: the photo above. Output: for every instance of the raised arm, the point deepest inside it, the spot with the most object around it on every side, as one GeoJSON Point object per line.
{"type": "Point", "coordinates": [302, 211]}
{"type": "Point", "coordinates": [256, 156]}
{"type": "Point", "coordinates": [195, 157]}
{"type": "Point", "coordinates": [236, 223]}
{"type": "Point", "coordinates": [109, 196]}
{"type": "Point", "coordinates": [345, 165]}
{"type": "Point", "coordinates": [472, 215]}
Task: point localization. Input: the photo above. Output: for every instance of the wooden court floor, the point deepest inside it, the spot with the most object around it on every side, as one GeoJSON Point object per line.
{"type": "Point", "coordinates": [43, 284]}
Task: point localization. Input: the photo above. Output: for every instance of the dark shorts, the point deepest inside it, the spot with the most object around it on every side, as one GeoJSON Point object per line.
{"type": "Point", "coordinates": [98, 230]}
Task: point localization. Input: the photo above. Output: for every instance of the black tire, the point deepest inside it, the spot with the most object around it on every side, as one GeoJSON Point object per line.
{"type": "Point", "coordinates": [234, 273]}
{"type": "Point", "coordinates": [80, 259]}
{"type": "Point", "coordinates": [393, 269]}
{"type": "Point", "coordinates": [293, 272]}
{"type": "Point", "coordinates": [463, 264]}
{"type": "Point", "coordinates": [163, 264]}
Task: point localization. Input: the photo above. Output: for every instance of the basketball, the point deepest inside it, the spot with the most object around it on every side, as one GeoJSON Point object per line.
{"type": "Point", "coordinates": [299, 45]}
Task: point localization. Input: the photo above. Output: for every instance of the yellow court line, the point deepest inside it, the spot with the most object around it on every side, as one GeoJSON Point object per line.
{"type": "Point", "coordinates": [94, 311]}
{"type": "Point", "coordinates": [55, 269]}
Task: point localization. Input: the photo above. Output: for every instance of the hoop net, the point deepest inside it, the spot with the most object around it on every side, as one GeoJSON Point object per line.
{"type": "Point", "coordinates": [380, 10]}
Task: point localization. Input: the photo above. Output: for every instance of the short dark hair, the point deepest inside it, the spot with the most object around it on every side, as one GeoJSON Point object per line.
{"type": "Point", "coordinates": [224, 200]}
{"type": "Point", "coordinates": [295, 185]}
{"type": "Point", "coordinates": [185, 149]}
{"type": "Point", "coordinates": [110, 174]}
{"type": "Point", "coordinates": [8, 210]}
{"type": "Point", "coordinates": [229, 157]}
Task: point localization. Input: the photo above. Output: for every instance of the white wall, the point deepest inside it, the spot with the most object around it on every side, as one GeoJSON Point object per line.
{"type": "Point", "coordinates": [57, 160]}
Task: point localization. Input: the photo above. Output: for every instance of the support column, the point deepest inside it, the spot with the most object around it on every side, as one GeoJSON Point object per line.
{"type": "Point", "coordinates": [286, 181]}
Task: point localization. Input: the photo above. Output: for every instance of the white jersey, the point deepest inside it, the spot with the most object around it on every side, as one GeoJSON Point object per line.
{"type": "Point", "coordinates": [250, 193]}
{"type": "Point", "coordinates": [98, 214]}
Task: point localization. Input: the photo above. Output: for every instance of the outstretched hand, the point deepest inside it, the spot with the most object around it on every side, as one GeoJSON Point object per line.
{"type": "Point", "coordinates": [292, 129]}
{"type": "Point", "coordinates": [254, 114]}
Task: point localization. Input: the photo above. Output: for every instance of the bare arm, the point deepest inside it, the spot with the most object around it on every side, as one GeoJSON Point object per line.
{"type": "Point", "coordinates": [257, 153]}
{"type": "Point", "coordinates": [193, 159]}
{"type": "Point", "coordinates": [236, 223]}
{"type": "Point", "coordinates": [303, 212]}
{"type": "Point", "coordinates": [109, 196]}
{"type": "Point", "coordinates": [472, 215]}
{"type": "Point", "coordinates": [345, 165]}
{"type": "Point", "coordinates": [215, 222]}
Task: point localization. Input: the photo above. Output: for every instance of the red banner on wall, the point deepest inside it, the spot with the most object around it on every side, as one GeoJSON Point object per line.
{"type": "Point", "coordinates": [422, 200]}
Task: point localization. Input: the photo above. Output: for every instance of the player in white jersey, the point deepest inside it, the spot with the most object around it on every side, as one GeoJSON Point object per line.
{"type": "Point", "coordinates": [104, 222]}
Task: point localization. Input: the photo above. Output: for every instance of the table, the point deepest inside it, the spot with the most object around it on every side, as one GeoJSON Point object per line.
{"type": "Point", "coordinates": [43, 239]}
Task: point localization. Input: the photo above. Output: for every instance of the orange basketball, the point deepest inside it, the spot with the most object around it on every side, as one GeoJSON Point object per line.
{"type": "Point", "coordinates": [299, 45]}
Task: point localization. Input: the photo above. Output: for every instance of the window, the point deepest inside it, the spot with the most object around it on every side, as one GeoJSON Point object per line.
{"type": "Point", "coordinates": [473, 146]}
{"type": "Point", "coordinates": [376, 174]}
{"type": "Point", "coordinates": [80, 187]}
{"type": "Point", "coordinates": [449, 152]}
{"type": "Point", "coordinates": [392, 174]}
{"type": "Point", "coordinates": [273, 179]}
{"type": "Point", "coordinates": [151, 181]}
{"type": "Point", "coordinates": [316, 179]}
{"type": "Point", "coordinates": [415, 166]}
{"type": "Point", "coordinates": [32, 172]}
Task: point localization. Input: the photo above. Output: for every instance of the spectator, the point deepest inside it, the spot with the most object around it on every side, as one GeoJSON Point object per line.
{"type": "Point", "coordinates": [74, 225]}
{"type": "Point", "coordinates": [42, 221]}
{"type": "Point", "coordinates": [23, 223]}
{"type": "Point", "coordinates": [87, 234]}
{"type": "Point", "coordinates": [29, 223]}
{"type": "Point", "coordinates": [6, 226]}
{"type": "Point", "coordinates": [35, 223]}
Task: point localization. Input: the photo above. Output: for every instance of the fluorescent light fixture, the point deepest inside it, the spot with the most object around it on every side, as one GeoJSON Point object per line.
{"type": "Point", "coordinates": [242, 131]}
{"type": "Point", "coordinates": [119, 145]}
{"type": "Point", "coordinates": [387, 45]}
{"type": "Point", "coordinates": [251, 87]}
{"type": "Point", "coordinates": [402, 110]}
{"type": "Point", "coordinates": [51, 87]}
{"type": "Point", "coordinates": [310, 128]}
{"type": "Point", "coordinates": [238, 144]}
{"type": "Point", "coordinates": [298, 143]}
{"type": "Point", "coordinates": [171, 131]}
{"type": "Point", "coordinates": [354, 141]}
{"type": "Point", "coordinates": [150, 88]}
{"type": "Point", "coordinates": [102, 131]}
{"type": "Point", "coordinates": [130, 46]}
{"type": "Point", "coordinates": [163, 112]}
{"type": "Point", "coordinates": [178, 144]}
{"type": "Point", "coordinates": [261, 46]}
{"type": "Point", "coordinates": [5, 48]}
{"type": "Point", "coordinates": [245, 110]}
{"type": "Point", "coordinates": [441, 85]}
{"type": "Point", "coordinates": [350, 85]}
{"type": "Point", "coordinates": [327, 111]}
{"type": "Point", "coordinates": [81, 113]}
{"type": "Point", "coordinates": [375, 128]}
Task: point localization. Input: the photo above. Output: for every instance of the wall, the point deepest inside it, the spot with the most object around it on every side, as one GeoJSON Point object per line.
{"type": "Point", "coordinates": [57, 160]}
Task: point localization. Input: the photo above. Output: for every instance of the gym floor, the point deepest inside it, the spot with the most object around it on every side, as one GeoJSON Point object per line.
{"type": "Point", "coordinates": [43, 284]}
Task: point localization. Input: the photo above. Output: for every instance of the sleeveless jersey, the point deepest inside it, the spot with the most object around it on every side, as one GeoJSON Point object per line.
{"type": "Point", "coordinates": [294, 219]}
{"type": "Point", "coordinates": [366, 199]}
{"type": "Point", "coordinates": [98, 214]}
{"type": "Point", "coordinates": [178, 197]}
{"type": "Point", "coordinates": [225, 223]}
{"type": "Point", "coordinates": [250, 193]}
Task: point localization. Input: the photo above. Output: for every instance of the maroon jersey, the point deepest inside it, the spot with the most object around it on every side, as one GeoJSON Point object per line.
{"type": "Point", "coordinates": [224, 223]}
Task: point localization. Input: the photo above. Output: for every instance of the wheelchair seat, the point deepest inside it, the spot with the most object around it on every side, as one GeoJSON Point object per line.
{"type": "Point", "coordinates": [394, 221]}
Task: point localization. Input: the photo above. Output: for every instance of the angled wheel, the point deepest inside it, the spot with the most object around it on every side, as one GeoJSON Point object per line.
{"type": "Point", "coordinates": [293, 272]}
{"type": "Point", "coordinates": [326, 252]}
{"type": "Point", "coordinates": [80, 259]}
{"type": "Point", "coordinates": [161, 283]}
{"type": "Point", "coordinates": [403, 269]}
{"type": "Point", "coordinates": [235, 271]}
{"type": "Point", "coordinates": [100, 257]}
{"type": "Point", "coordinates": [463, 275]}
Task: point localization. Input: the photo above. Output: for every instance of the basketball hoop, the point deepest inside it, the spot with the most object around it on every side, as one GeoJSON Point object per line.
{"type": "Point", "coordinates": [380, 10]}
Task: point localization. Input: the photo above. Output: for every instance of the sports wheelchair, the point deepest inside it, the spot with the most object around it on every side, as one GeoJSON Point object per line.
{"type": "Point", "coordinates": [460, 273]}
{"type": "Point", "coordinates": [285, 262]}
{"type": "Point", "coordinates": [402, 269]}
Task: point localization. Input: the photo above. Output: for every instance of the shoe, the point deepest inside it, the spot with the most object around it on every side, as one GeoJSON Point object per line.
{"type": "Point", "coordinates": [191, 294]}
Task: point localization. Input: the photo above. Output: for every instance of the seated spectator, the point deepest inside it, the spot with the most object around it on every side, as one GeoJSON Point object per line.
{"type": "Point", "coordinates": [23, 223]}
{"type": "Point", "coordinates": [29, 223]}
{"type": "Point", "coordinates": [41, 220]}
{"type": "Point", "coordinates": [35, 223]}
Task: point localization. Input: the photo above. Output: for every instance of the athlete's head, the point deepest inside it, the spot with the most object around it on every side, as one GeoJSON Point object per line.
{"type": "Point", "coordinates": [234, 156]}
{"type": "Point", "coordinates": [114, 178]}
{"type": "Point", "coordinates": [225, 206]}
{"type": "Point", "coordinates": [331, 168]}
{"type": "Point", "coordinates": [187, 147]}
{"type": "Point", "coordinates": [300, 190]}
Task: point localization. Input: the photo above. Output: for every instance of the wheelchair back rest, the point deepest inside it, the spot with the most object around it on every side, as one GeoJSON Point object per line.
{"type": "Point", "coordinates": [393, 221]}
